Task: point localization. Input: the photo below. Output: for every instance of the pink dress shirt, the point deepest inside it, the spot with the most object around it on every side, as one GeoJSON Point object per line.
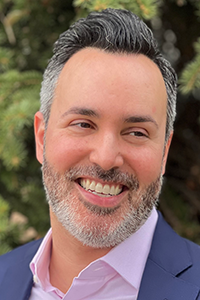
{"type": "Point", "coordinates": [117, 275]}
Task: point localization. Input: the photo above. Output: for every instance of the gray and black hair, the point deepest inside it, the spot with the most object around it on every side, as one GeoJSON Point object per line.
{"type": "Point", "coordinates": [114, 31]}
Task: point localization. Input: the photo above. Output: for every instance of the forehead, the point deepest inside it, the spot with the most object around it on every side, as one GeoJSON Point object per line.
{"type": "Point", "coordinates": [93, 76]}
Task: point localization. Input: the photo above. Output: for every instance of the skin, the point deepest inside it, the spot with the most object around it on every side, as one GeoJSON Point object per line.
{"type": "Point", "coordinates": [123, 127]}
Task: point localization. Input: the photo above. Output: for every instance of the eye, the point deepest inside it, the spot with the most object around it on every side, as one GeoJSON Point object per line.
{"type": "Point", "coordinates": [136, 132]}
{"type": "Point", "coordinates": [82, 124]}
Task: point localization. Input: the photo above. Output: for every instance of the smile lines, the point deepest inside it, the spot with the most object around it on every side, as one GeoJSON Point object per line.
{"type": "Point", "coordinates": [99, 189]}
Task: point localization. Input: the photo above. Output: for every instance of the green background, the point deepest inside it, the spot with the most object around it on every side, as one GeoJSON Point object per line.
{"type": "Point", "coordinates": [28, 30]}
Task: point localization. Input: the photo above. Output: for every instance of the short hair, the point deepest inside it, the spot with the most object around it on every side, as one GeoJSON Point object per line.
{"type": "Point", "coordinates": [114, 31]}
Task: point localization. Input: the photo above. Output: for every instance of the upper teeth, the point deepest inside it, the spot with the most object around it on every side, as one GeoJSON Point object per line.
{"type": "Point", "coordinates": [99, 188]}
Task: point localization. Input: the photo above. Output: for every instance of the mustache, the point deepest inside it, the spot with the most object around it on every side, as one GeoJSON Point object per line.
{"type": "Point", "coordinates": [112, 175]}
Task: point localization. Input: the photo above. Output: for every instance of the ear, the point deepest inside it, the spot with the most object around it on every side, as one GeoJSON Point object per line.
{"type": "Point", "coordinates": [39, 128]}
{"type": "Point", "coordinates": [166, 151]}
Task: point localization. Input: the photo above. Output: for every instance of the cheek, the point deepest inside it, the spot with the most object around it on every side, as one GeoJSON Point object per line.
{"type": "Point", "coordinates": [146, 165]}
{"type": "Point", "coordinates": [63, 154]}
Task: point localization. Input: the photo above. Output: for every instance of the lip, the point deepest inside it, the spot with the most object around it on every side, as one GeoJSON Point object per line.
{"type": "Point", "coordinates": [112, 201]}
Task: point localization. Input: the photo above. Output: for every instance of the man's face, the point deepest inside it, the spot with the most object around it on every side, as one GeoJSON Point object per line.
{"type": "Point", "coordinates": [105, 149]}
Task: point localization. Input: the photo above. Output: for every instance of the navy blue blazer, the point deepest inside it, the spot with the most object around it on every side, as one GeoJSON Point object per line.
{"type": "Point", "coordinates": [172, 270]}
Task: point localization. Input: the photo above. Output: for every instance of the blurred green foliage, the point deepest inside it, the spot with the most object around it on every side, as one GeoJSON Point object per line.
{"type": "Point", "coordinates": [145, 9]}
{"type": "Point", "coordinates": [28, 30]}
{"type": "Point", "coordinates": [9, 233]}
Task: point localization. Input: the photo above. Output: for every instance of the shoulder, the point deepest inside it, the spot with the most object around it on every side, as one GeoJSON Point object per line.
{"type": "Point", "coordinates": [18, 255]}
{"type": "Point", "coordinates": [194, 249]}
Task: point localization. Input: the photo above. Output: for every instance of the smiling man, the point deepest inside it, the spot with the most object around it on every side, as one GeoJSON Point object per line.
{"type": "Point", "coordinates": [102, 136]}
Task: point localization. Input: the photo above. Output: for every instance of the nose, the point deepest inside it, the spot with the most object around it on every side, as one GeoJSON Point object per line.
{"type": "Point", "coordinates": [106, 152]}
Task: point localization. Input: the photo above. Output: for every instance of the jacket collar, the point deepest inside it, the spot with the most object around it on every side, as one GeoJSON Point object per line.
{"type": "Point", "coordinates": [18, 279]}
{"type": "Point", "coordinates": [168, 258]}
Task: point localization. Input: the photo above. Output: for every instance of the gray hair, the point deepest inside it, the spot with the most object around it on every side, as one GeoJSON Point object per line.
{"type": "Point", "coordinates": [115, 31]}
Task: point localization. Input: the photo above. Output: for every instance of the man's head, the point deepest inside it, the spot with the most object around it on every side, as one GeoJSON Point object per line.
{"type": "Point", "coordinates": [102, 139]}
{"type": "Point", "coordinates": [115, 31]}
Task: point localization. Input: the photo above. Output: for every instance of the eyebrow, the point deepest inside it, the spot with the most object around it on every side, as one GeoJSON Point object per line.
{"type": "Point", "coordinates": [141, 119]}
{"type": "Point", "coordinates": [80, 111]}
{"type": "Point", "coordinates": [91, 113]}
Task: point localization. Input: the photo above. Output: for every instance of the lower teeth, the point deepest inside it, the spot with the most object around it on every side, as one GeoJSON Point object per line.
{"type": "Point", "coordinates": [99, 194]}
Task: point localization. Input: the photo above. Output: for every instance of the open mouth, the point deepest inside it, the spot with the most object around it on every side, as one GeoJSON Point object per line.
{"type": "Point", "coordinates": [97, 188]}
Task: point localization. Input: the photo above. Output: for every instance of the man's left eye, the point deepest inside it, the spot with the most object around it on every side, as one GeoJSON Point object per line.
{"type": "Point", "coordinates": [137, 133]}
{"type": "Point", "coordinates": [83, 125]}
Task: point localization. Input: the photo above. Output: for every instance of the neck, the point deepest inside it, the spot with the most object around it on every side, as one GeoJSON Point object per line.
{"type": "Point", "coordinates": [69, 256]}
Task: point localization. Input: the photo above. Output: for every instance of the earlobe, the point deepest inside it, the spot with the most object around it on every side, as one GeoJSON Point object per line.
{"type": "Point", "coordinates": [166, 151]}
{"type": "Point", "coordinates": [39, 129]}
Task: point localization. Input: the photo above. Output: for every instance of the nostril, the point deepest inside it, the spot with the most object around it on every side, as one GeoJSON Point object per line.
{"type": "Point", "coordinates": [106, 159]}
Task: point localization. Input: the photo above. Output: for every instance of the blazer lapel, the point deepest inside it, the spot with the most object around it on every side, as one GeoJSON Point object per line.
{"type": "Point", "coordinates": [168, 258]}
{"type": "Point", "coordinates": [18, 279]}
{"type": "Point", "coordinates": [157, 284]}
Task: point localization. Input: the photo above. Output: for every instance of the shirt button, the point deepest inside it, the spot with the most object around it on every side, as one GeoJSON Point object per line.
{"type": "Point", "coordinates": [35, 279]}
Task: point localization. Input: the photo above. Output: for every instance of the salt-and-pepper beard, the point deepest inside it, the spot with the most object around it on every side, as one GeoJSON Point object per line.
{"type": "Point", "coordinates": [94, 226]}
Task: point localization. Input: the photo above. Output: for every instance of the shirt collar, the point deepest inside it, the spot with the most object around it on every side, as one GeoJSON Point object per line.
{"type": "Point", "coordinates": [128, 258]}
{"type": "Point", "coordinates": [40, 263]}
